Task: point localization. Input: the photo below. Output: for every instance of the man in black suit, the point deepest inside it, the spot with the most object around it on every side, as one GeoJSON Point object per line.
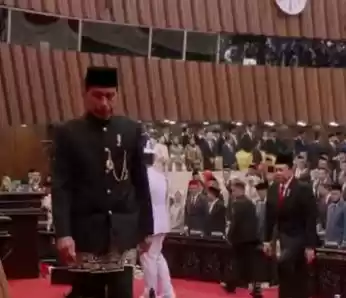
{"type": "Point", "coordinates": [209, 150]}
{"type": "Point", "coordinates": [244, 237]}
{"type": "Point", "coordinates": [300, 144]}
{"type": "Point", "coordinates": [196, 208]}
{"type": "Point", "coordinates": [100, 192]}
{"type": "Point", "coordinates": [216, 217]}
{"type": "Point", "coordinates": [228, 153]}
{"type": "Point", "coordinates": [293, 212]}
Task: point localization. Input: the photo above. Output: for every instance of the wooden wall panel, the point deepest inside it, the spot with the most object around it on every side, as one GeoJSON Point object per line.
{"type": "Point", "coordinates": [339, 94]}
{"type": "Point", "coordinates": [320, 19]}
{"type": "Point", "coordinates": [223, 92]}
{"type": "Point", "coordinates": [39, 86]}
{"type": "Point", "coordinates": [22, 150]}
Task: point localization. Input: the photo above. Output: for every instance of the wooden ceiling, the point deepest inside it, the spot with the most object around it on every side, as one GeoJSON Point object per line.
{"type": "Point", "coordinates": [321, 18]}
{"type": "Point", "coordinates": [39, 86]}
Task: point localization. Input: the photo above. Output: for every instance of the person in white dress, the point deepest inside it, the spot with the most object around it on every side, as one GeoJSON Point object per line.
{"type": "Point", "coordinates": [161, 155]}
{"type": "Point", "coordinates": [177, 212]}
{"type": "Point", "coordinates": [155, 269]}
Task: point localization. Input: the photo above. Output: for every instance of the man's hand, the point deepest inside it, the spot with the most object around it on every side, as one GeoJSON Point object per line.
{"type": "Point", "coordinates": [267, 249]}
{"type": "Point", "coordinates": [66, 249]}
{"type": "Point", "coordinates": [309, 255]}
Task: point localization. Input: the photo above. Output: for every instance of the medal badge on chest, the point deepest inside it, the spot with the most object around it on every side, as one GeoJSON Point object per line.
{"type": "Point", "coordinates": [109, 161]}
{"type": "Point", "coordinates": [118, 140]}
{"type": "Point", "coordinates": [110, 168]}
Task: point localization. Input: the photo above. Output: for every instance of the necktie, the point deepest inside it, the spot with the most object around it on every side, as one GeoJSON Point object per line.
{"type": "Point", "coordinates": [281, 194]}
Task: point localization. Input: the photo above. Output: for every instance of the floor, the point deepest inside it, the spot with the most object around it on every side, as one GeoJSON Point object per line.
{"type": "Point", "coordinates": [41, 288]}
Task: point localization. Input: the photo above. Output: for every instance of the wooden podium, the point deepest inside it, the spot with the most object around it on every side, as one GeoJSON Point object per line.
{"type": "Point", "coordinates": [24, 209]}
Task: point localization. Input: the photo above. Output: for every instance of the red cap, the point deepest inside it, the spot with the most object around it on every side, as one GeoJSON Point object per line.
{"type": "Point", "coordinates": [208, 175]}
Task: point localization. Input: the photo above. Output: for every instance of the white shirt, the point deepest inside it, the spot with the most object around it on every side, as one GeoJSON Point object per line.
{"type": "Point", "coordinates": [211, 205]}
{"type": "Point", "coordinates": [158, 185]}
{"type": "Point", "coordinates": [286, 186]}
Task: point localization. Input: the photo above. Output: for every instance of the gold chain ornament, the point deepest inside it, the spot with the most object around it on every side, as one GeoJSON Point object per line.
{"type": "Point", "coordinates": [110, 167]}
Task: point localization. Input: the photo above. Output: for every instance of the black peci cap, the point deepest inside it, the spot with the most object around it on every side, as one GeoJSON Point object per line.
{"type": "Point", "coordinates": [106, 77]}
{"type": "Point", "coordinates": [285, 159]}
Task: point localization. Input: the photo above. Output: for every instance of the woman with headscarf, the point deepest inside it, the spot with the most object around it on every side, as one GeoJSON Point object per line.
{"type": "Point", "coordinates": [177, 212]}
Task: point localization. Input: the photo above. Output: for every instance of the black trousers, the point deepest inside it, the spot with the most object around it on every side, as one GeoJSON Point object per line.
{"type": "Point", "coordinates": [103, 285]}
{"type": "Point", "coordinates": [293, 273]}
{"type": "Point", "coordinates": [245, 265]}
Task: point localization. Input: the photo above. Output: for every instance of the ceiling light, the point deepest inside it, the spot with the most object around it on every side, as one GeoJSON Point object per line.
{"type": "Point", "coordinates": [301, 123]}
{"type": "Point", "coordinates": [269, 123]}
{"type": "Point", "coordinates": [334, 124]}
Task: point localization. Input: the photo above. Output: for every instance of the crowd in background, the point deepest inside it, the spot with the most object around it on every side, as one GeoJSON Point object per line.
{"type": "Point", "coordinates": [285, 51]}
{"type": "Point", "coordinates": [235, 146]}
{"type": "Point", "coordinates": [223, 163]}
{"type": "Point", "coordinates": [240, 161]}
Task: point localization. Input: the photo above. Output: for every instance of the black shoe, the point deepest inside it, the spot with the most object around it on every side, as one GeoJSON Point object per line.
{"type": "Point", "coordinates": [257, 291]}
{"type": "Point", "coordinates": [230, 287]}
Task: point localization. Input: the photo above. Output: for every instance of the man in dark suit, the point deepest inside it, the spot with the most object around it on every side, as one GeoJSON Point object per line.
{"type": "Point", "coordinates": [228, 153]}
{"type": "Point", "coordinates": [196, 208]}
{"type": "Point", "coordinates": [249, 138]}
{"type": "Point", "coordinates": [300, 144]}
{"type": "Point", "coordinates": [209, 150]}
{"type": "Point", "coordinates": [216, 217]}
{"type": "Point", "coordinates": [100, 192]}
{"type": "Point", "coordinates": [244, 237]}
{"type": "Point", "coordinates": [293, 212]}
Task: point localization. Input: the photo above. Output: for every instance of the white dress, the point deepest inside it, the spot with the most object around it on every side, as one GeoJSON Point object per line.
{"type": "Point", "coordinates": [159, 199]}
{"type": "Point", "coordinates": [161, 156]}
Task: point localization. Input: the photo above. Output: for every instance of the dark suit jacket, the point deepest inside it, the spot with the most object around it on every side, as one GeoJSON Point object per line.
{"type": "Point", "coordinates": [216, 219]}
{"type": "Point", "coordinates": [196, 213]}
{"type": "Point", "coordinates": [228, 155]}
{"type": "Point", "coordinates": [88, 203]}
{"type": "Point", "coordinates": [299, 146]}
{"type": "Point", "coordinates": [244, 223]}
{"type": "Point", "coordinates": [247, 142]}
{"type": "Point", "coordinates": [296, 217]}
{"type": "Point", "coordinates": [208, 152]}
